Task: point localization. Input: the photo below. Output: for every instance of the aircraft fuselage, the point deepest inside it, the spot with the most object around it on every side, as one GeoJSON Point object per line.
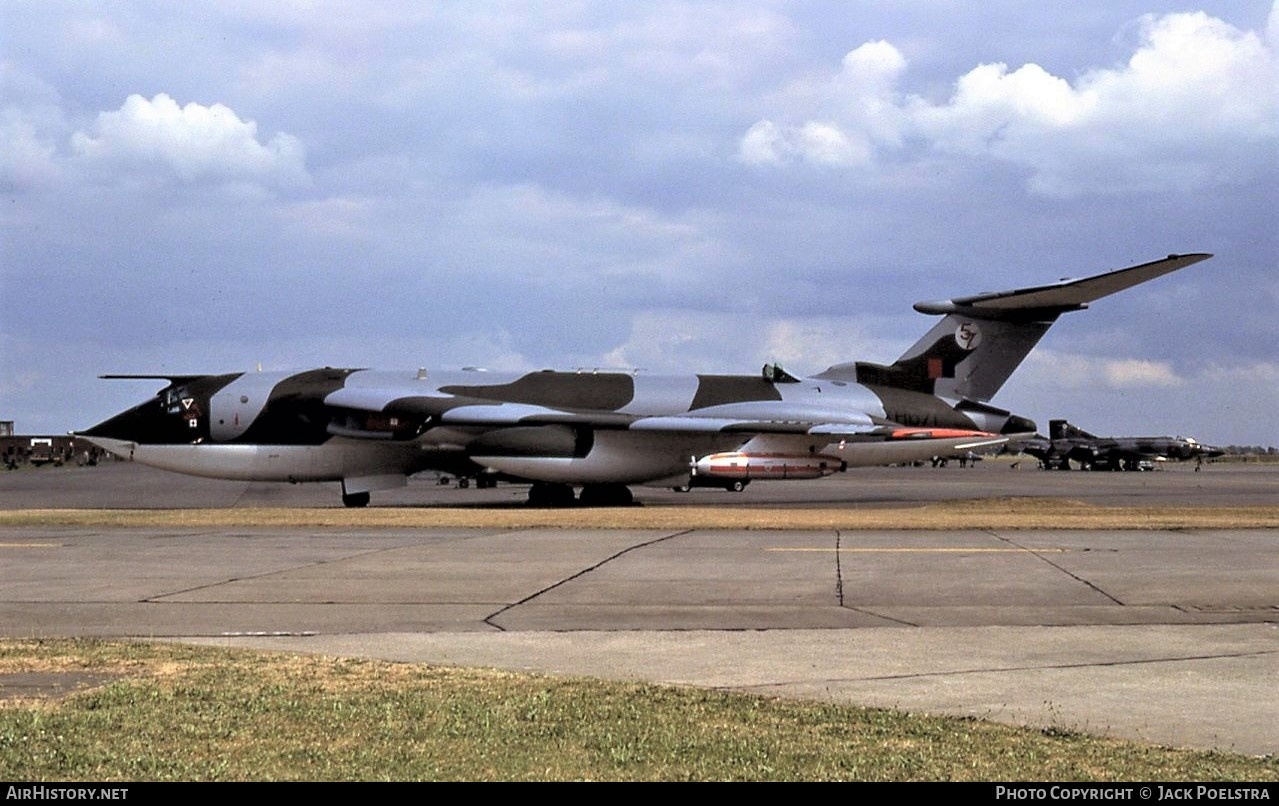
{"type": "Point", "coordinates": [334, 424]}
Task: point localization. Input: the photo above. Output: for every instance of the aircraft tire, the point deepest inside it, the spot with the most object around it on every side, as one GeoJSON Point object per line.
{"type": "Point", "coordinates": [606, 495]}
{"type": "Point", "coordinates": [355, 499]}
{"type": "Point", "coordinates": [547, 494]}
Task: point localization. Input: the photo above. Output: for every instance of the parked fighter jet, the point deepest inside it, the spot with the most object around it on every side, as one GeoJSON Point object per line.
{"type": "Point", "coordinates": [603, 430]}
{"type": "Point", "coordinates": [1067, 443]}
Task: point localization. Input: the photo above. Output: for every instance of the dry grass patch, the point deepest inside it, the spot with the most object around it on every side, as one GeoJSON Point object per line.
{"type": "Point", "coordinates": [1004, 514]}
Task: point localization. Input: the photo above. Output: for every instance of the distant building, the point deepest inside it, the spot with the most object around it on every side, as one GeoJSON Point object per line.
{"type": "Point", "coordinates": [42, 449]}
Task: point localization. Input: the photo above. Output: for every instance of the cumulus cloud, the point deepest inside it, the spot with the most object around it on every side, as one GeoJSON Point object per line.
{"type": "Point", "coordinates": [192, 142]}
{"type": "Point", "coordinates": [27, 158]}
{"type": "Point", "coordinates": [1052, 369]}
{"type": "Point", "coordinates": [1136, 373]}
{"type": "Point", "coordinates": [811, 344]}
{"type": "Point", "coordinates": [30, 122]}
{"type": "Point", "coordinates": [577, 242]}
{"type": "Point", "coordinates": [674, 340]}
{"type": "Point", "coordinates": [1264, 371]}
{"type": "Point", "coordinates": [347, 217]}
{"type": "Point", "coordinates": [1197, 103]}
{"type": "Point", "coordinates": [861, 110]}
{"type": "Point", "coordinates": [764, 143]}
{"type": "Point", "coordinates": [668, 340]}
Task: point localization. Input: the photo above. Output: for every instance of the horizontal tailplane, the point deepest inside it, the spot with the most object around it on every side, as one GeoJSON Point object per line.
{"type": "Point", "coordinates": [983, 338]}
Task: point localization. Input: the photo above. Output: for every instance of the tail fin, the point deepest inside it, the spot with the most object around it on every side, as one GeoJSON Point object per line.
{"type": "Point", "coordinates": [982, 338]}
{"type": "Point", "coordinates": [1060, 429]}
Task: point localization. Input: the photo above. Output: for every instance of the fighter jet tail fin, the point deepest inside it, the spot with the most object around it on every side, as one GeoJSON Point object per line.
{"type": "Point", "coordinates": [983, 338]}
{"type": "Point", "coordinates": [1060, 429]}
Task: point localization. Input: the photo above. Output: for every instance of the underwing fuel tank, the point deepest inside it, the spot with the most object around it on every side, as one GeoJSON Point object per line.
{"type": "Point", "coordinates": [747, 466]}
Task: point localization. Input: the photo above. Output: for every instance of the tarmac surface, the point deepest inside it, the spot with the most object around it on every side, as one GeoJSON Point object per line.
{"type": "Point", "coordinates": [1168, 637]}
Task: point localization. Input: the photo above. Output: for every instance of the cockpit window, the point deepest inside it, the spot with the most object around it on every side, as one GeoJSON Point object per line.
{"type": "Point", "coordinates": [173, 397]}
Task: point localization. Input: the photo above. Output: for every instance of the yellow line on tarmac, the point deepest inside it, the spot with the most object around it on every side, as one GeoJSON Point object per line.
{"type": "Point", "coordinates": [30, 545]}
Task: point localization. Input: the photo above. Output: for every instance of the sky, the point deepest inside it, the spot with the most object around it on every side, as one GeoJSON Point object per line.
{"type": "Point", "coordinates": [669, 186]}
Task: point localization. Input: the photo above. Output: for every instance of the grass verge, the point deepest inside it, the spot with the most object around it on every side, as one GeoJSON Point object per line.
{"type": "Point", "coordinates": [180, 713]}
{"type": "Point", "coordinates": [1008, 513]}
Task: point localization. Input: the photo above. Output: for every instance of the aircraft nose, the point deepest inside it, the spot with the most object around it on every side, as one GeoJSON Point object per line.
{"type": "Point", "coordinates": [146, 423]}
{"type": "Point", "coordinates": [172, 417]}
{"type": "Point", "coordinates": [122, 433]}
{"type": "Point", "coordinates": [178, 414]}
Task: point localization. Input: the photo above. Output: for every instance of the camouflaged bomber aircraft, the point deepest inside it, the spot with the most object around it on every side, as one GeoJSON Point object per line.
{"type": "Point", "coordinates": [1067, 443]}
{"type": "Point", "coordinates": [604, 430]}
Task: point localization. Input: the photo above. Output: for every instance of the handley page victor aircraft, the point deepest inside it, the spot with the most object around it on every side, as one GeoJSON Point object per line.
{"type": "Point", "coordinates": [603, 430]}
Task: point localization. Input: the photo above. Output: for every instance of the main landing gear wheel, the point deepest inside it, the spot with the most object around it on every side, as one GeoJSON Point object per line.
{"type": "Point", "coordinates": [606, 495]}
{"type": "Point", "coordinates": [355, 499]}
{"type": "Point", "coordinates": [547, 494]}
